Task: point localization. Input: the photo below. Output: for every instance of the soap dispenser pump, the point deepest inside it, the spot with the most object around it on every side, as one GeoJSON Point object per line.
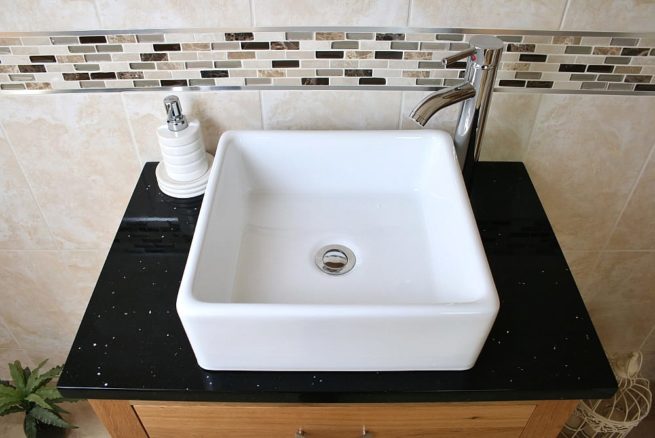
{"type": "Point", "coordinates": [184, 169]}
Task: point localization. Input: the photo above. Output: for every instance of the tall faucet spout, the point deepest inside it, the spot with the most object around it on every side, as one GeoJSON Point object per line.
{"type": "Point", "coordinates": [439, 100]}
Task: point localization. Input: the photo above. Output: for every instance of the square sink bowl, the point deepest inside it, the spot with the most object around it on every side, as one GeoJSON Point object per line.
{"type": "Point", "coordinates": [286, 213]}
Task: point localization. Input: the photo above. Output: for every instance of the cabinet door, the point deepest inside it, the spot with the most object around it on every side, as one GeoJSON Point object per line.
{"type": "Point", "coordinates": [163, 420]}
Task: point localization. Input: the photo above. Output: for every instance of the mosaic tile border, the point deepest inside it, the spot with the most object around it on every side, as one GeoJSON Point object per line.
{"type": "Point", "coordinates": [612, 63]}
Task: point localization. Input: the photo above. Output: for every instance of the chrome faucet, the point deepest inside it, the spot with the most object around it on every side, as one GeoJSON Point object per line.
{"type": "Point", "coordinates": [482, 60]}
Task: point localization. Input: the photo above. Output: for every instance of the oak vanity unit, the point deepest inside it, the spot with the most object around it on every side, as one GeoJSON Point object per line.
{"type": "Point", "coordinates": [132, 359]}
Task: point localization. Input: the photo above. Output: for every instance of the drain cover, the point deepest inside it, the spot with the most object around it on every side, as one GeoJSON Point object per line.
{"type": "Point", "coordinates": [335, 259]}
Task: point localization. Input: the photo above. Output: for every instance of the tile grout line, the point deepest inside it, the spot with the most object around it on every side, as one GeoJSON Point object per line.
{"type": "Point", "coordinates": [534, 124]}
{"type": "Point", "coordinates": [650, 333]}
{"type": "Point", "coordinates": [410, 8]}
{"type": "Point", "coordinates": [261, 108]}
{"type": "Point", "coordinates": [129, 126]}
{"type": "Point", "coordinates": [252, 12]}
{"type": "Point", "coordinates": [650, 155]}
{"type": "Point", "coordinates": [55, 241]}
{"type": "Point", "coordinates": [564, 12]}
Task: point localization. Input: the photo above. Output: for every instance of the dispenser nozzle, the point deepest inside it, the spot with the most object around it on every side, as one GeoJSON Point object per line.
{"type": "Point", "coordinates": [175, 119]}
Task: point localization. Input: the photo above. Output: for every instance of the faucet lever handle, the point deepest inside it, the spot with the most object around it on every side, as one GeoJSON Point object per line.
{"type": "Point", "coordinates": [449, 60]}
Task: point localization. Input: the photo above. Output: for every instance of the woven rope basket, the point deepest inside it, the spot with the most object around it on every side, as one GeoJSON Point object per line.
{"type": "Point", "coordinates": [617, 416]}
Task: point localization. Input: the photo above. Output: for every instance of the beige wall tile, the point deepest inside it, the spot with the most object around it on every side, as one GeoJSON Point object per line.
{"type": "Point", "coordinates": [78, 156]}
{"type": "Point", "coordinates": [505, 14]}
{"type": "Point", "coordinates": [6, 340]}
{"type": "Point", "coordinates": [610, 15]}
{"type": "Point", "coordinates": [622, 302]}
{"type": "Point", "coordinates": [10, 355]}
{"type": "Point", "coordinates": [40, 15]}
{"type": "Point", "coordinates": [217, 111]}
{"type": "Point", "coordinates": [509, 124]}
{"type": "Point", "coordinates": [331, 109]}
{"type": "Point", "coordinates": [168, 14]}
{"type": "Point", "coordinates": [582, 264]}
{"type": "Point", "coordinates": [331, 12]}
{"type": "Point", "coordinates": [21, 223]}
{"type": "Point", "coordinates": [584, 157]}
{"type": "Point", "coordinates": [31, 282]}
{"type": "Point", "coordinates": [636, 228]}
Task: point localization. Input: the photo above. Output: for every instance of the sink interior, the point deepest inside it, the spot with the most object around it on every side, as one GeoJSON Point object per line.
{"type": "Point", "coordinates": [391, 202]}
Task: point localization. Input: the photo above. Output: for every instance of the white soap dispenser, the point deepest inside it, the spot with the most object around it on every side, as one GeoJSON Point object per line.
{"type": "Point", "coordinates": [184, 169]}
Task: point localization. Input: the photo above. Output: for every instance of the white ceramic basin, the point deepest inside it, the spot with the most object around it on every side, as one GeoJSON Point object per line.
{"type": "Point", "coordinates": [419, 297]}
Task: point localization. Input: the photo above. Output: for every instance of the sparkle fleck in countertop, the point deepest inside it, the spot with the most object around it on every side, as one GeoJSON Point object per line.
{"type": "Point", "coordinates": [131, 344]}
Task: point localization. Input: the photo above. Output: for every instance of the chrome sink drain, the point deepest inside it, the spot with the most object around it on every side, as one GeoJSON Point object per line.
{"type": "Point", "coordinates": [335, 259]}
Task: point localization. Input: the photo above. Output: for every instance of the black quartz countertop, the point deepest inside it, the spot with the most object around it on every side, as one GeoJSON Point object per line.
{"type": "Point", "coordinates": [543, 345]}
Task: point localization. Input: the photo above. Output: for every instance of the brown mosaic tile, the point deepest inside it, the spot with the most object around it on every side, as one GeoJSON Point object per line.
{"type": "Point", "coordinates": [239, 36]}
{"type": "Point", "coordinates": [637, 51]}
{"type": "Point", "coordinates": [42, 58]}
{"type": "Point", "coordinates": [129, 75]}
{"type": "Point", "coordinates": [572, 68]}
{"type": "Point", "coordinates": [435, 46]}
{"type": "Point", "coordinates": [435, 82]}
{"type": "Point", "coordinates": [285, 45]}
{"type": "Point", "coordinates": [416, 74]}
{"type": "Point", "coordinates": [620, 87]}
{"type": "Point", "coordinates": [516, 66]}
{"type": "Point", "coordinates": [97, 57]}
{"type": "Point", "coordinates": [627, 69]}
{"type": "Point", "coordinates": [389, 36]}
{"type": "Point", "coordinates": [330, 54]}
{"type": "Point", "coordinates": [166, 47]}
{"type": "Point", "coordinates": [38, 86]}
{"type": "Point", "coordinates": [174, 83]}
{"type": "Point", "coordinates": [372, 81]}
{"type": "Point", "coordinates": [433, 65]}
{"type": "Point", "coordinates": [642, 79]}
{"type": "Point", "coordinates": [600, 68]}
{"type": "Point", "coordinates": [170, 66]}
{"type": "Point", "coordinates": [511, 83]}
{"type": "Point", "coordinates": [213, 73]}
{"type": "Point", "coordinates": [143, 65]}
{"type": "Point", "coordinates": [69, 59]}
{"type": "Point", "coordinates": [593, 85]}
{"type": "Point", "coordinates": [582, 77]}
{"type": "Point", "coordinates": [98, 39]}
{"type": "Point", "coordinates": [34, 68]}
{"type": "Point", "coordinates": [240, 55]}
{"type": "Point", "coordinates": [330, 36]}
{"type": "Point", "coordinates": [315, 81]}
{"type": "Point", "coordinates": [271, 73]}
{"type": "Point", "coordinates": [227, 64]}
{"type": "Point", "coordinates": [119, 39]}
{"type": "Point", "coordinates": [82, 49]}
{"type": "Point", "coordinates": [196, 47]}
{"type": "Point", "coordinates": [201, 82]}
{"type": "Point", "coordinates": [153, 57]}
{"type": "Point", "coordinates": [384, 54]}
{"type": "Point", "coordinates": [300, 35]}
{"type": "Point", "coordinates": [539, 84]}
{"type": "Point", "coordinates": [103, 75]}
{"type": "Point", "coordinates": [607, 50]}
{"type": "Point", "coordinates": [329, 72]}
{"type": "Point", "coordinates": [255, 46]}
{"type": "Point", "coordinates": [617, 60]}
{"type": "Point", "coordinates": [286, 64]}
{"type": "Point", "coordinates": [568, 40]}
{"type": "Point", "coordinates": [145, 83]}
{"type": "Point", "coordinates": [418, 55]}
{"type": "Point", "coordinates": [610, 78]}
{"type": "Point", "coordinates": [578, 50]}
{"type": "Point", "coordinates": [359, 54]}
{"type": "Point", "coordinates": [345, 45]}
{"type": "Point", "coordinates": [532, 58]}
{"type": "Point", "coordinates": [358, 72]}
{"type": "Point", "coordinates": [644, 87]}
{"type": "Point", "coordinates": [527, 75]}
{"type": "Point", "coordinates": [75, 76]}
{"type": "Point", "coordinates": [225, 46]}
{"type": "Point", "coordinates": [520, 47]}
{"type": "Point", "coordinates": [8, 69]}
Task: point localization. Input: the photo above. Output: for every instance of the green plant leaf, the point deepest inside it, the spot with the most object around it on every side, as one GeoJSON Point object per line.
{"type": "Point", "coordinates": [10, 405]}
{"type": "Point", "coordinates": [49, 394]}
{"type": "Point", "coordinates": [35, 398]}
{"type": "Point", "coordinates": [46, 377]}
{"type": "Point", "coordinates": [32, 380]}
{"type": "Point", "coordinates": [49, 417]}
{"type": "Point", "coordinates": [6, 391]}
{"type": "Point", "coordinates": [12, 410]}
{"type": "Point", "coordinates": [29, 426]}
{"type": "Point", "coordinates": [18, 375]}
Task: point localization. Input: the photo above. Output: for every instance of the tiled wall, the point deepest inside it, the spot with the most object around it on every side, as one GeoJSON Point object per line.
{"type": "Point", "coordinates": [69, 161]}
{"type": "Point", "coordinates": [569, 61]}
